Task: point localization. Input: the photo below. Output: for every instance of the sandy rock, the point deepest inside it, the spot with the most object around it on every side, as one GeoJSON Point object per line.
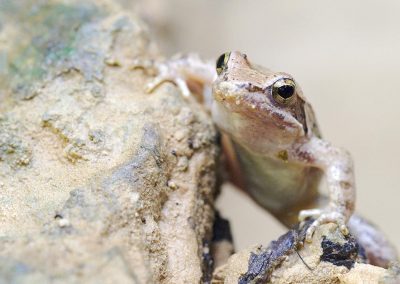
{"type": "Point", "coordinates": [330, 258]}
{"type": "Point", "coordinates": [94, 185]}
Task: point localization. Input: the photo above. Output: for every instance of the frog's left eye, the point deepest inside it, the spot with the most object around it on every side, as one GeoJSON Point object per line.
{"type": "Point", "coordinates": [283, 91]}
{"type": "Point", "coordinates": [222, 61]}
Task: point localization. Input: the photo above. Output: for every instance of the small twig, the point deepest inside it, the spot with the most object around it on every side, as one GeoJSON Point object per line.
{"type": "Point", "coordinates": [311, 269]}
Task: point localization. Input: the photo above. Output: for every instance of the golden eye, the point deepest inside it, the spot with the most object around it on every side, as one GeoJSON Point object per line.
{"type": "Point", "coordinates": [283, 91]}
{"type": "Point", "coordinates": [222, 61]}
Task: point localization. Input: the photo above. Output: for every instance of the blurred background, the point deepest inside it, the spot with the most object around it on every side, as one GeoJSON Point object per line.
{"type": "Point", "coordinates": [346, 57]}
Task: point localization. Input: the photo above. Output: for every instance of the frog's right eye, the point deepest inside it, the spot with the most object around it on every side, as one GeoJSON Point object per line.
{"type": "Point", "coordinates": [222, 61]}
{"type": "Point", "coordinates": [283, 91]}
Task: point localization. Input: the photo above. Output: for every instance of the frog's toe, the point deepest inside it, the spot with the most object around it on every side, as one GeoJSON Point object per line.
{"type": "Point", "coordinates": [344, 229]}
{"type": "Point", "coordinates": [310, 232]}
{"type": "Point", "coordinates": [152, 68]}
{"type": "Point", "coordinates": [150, 87]}
{"type": "Point", "coordinates": [148, 65]}
{"type": "Point", "coordinates": [163, 72]}
{"type": "Point", "coordinates": [158, 80]}
{"type": "Point", "coordinates": [324, 218]}
{"type": "Point", "coordinates": [311, 213]}
{"type": "Point", "coordinates": [182, 85]}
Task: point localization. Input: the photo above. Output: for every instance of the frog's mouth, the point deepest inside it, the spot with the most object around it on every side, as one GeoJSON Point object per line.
{"type": "Point", "coordinates": [257, 108]}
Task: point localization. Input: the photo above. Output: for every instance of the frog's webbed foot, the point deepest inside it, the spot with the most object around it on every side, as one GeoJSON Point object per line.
{"type": "Point", "coordinates": [323, 216]}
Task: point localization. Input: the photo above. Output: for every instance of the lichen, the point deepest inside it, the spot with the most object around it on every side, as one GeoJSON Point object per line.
{"type": "Point", "coordinates": [56, 36]}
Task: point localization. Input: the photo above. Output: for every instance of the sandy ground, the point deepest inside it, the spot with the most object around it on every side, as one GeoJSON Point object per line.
{"type": "Point", "coordinates": [345, 55]}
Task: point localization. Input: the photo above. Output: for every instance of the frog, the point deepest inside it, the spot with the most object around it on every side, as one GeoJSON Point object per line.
{"type": "Point", "coordinates": [273, 145]}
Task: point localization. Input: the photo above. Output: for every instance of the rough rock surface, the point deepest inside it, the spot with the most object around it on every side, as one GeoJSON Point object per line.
{"type": "Point", "coordinates": [99, 181]}
{"type": "Point", "coordinates": [330, 258]}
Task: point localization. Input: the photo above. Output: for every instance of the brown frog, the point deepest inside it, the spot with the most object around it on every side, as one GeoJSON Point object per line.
{"type": "Point", "coordinates": [274, 145]}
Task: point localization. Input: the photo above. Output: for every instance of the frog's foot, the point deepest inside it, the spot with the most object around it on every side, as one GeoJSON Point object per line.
{"type": "Point", "coordinates": [164, 72]}
{"type": "Point", "coordinates": [323, 217]}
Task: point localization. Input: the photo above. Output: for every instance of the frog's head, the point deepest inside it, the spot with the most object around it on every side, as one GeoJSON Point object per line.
{"type": "Point", "coordinates": [250, 99]}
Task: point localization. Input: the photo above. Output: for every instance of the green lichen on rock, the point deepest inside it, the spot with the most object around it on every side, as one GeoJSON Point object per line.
{"type": "Point", "coordinates": [55, 37]}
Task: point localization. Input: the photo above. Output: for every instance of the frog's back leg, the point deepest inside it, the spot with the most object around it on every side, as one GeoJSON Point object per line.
{"type": "Point", "coordinates": [377, 247]}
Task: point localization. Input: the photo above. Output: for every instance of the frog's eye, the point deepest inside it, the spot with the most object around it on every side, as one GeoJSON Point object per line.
{"type": "Point", "coordinates": [222, 61]}
{"type": "Point", "coordinates": [283, 91]}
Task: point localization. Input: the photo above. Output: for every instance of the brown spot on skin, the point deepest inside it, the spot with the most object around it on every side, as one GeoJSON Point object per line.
{"type": "Point", "coordinates": [305, 156]}
{"type": "Point", "coordinates": [278, 115]}
{"type": "Point", "coordinates": [345, 185]}
{"type": "Point", "coordinates": [253, 88]}
{"type": "Point", "coordinates": [283, 155]}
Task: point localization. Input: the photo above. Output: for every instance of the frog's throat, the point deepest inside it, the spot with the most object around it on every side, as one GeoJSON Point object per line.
{"type": "Point", "coordinates": [275, 184]}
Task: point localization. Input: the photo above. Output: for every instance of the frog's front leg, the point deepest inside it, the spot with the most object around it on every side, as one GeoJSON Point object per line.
{"type": "Point", "coordinates": [338, 168]}
{"type": "Point", "coordinates": [183, 70]}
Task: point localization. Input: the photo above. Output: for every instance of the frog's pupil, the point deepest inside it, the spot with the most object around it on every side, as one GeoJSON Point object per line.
{"type": "Point", "coordinates": [286, 91]}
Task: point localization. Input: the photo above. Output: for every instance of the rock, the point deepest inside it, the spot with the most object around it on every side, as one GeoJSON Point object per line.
{"type": "Point", "coordinates": [94, 185]}
{"type": "Point", "coordinates": [329, 258]}
{"type": "Point", "coordinates": [222, 246]}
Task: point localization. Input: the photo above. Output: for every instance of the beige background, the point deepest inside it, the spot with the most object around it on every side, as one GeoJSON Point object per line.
{"type": "Point", "coordinates": [346, 56]}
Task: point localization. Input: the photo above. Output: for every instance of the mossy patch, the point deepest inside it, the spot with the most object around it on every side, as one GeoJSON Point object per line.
{"type": "Point", "coordinates": [46, 38]}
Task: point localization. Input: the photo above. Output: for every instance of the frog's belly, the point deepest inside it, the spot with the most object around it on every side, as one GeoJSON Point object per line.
{"type": "Point", "coordinates": [277, 185]}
